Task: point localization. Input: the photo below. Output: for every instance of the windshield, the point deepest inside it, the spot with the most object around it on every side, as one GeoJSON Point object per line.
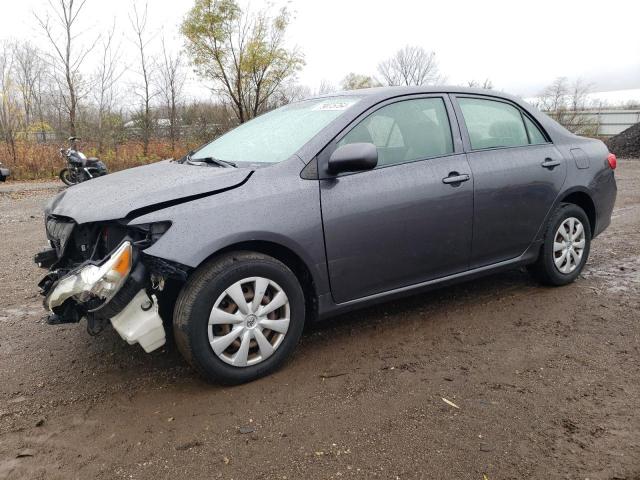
{"type": "Point", "coordinates": [275, 136]}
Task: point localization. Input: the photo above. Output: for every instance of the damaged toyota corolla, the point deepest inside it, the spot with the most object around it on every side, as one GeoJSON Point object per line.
{"type": "Point", "coordinates": [318, 208]}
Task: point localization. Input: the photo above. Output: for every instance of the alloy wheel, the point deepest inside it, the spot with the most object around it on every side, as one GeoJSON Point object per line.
{"type": "Point", "coordinates": [249, 321]}
{"type": "Point", "coordinates": [568, 245]}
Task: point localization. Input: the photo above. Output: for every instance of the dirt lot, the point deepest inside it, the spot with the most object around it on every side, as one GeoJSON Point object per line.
{"type": "Point", "coordinates": [546, 381]}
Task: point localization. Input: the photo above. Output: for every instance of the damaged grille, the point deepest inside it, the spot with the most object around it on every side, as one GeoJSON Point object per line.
{"type": "Point", "coordinates": [75, 244]}
{"type": "Point", "coordinates": [59, 232]}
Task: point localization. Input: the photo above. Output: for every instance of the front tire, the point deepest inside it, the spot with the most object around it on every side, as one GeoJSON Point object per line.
{"type": "Point", "coordinates": [239, 317]}
{"type": "Point", "coordinates": [565, 247]}
{"type": "Point", "coordinates": [68, 177]}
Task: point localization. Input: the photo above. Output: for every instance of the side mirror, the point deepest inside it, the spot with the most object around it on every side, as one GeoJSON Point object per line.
{"type": "Point", "coordinates": [353, 157]}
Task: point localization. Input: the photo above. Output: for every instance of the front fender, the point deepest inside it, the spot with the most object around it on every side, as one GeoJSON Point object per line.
{"type": "Point", "coordinates": [277, 206]}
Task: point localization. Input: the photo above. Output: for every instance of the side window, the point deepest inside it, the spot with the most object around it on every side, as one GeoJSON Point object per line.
{"type": "Point", "coordinates": [493, 124]}
{"type": "Point", "coordinates": [535, 135]}
{"type": "Point", "coordinates": [405, 131]}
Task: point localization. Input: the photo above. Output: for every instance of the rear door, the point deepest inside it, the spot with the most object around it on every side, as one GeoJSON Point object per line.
{"type": "Point", "coordinates": [404, 222]}
{"type": "Point", "coordinates": [517, 171]}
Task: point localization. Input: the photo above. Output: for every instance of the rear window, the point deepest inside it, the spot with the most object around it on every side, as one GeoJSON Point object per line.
{"type": "Point", "coordinates": [493, 124]}
{"type": "Point", "coordinates": [535, 135]}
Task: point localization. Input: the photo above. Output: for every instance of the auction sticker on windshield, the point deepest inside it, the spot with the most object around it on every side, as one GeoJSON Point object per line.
{"type": "Point", "coordinates": [341, 104]}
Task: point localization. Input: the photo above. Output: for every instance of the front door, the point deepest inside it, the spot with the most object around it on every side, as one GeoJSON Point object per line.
{"type": "Point", "coordinates": [407, 221]}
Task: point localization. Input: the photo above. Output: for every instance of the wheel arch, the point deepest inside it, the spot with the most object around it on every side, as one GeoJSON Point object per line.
{"type": "Point", "coordinates": [582, 198]}
{"type": "Point", "coordinates": [287, 256]}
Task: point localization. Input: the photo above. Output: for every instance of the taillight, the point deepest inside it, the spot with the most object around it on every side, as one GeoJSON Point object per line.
{"type": "Point", "coordinates": [613, 161]}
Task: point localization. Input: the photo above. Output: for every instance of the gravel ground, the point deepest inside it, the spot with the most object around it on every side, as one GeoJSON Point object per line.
{"type": "Point", "coordinates": [544, 381]}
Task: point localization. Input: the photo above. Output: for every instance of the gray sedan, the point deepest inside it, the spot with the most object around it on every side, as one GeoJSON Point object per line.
{"type": "Point", "coordinates": [321, 207]}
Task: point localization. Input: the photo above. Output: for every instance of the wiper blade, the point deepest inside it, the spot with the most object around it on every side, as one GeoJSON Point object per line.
{"type": "Point", "coordinates": [218, 161]}
{"type": "Point", "coordinates": [186, 158]}
{"type": "Point", "coordinates": [212, 160]}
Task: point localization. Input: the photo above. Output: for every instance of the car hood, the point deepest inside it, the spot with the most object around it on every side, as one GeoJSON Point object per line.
{"type": "Point", "coordinates": [140, 190]}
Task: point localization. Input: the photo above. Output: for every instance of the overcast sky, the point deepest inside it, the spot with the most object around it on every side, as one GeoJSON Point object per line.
{"type": "Point", "coordinates": [520, 46]}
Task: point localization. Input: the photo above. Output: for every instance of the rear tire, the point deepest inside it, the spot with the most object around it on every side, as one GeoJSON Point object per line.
{"type": "Point", "coordinates": [205, 314]}
{"type": "Point", "coordinates": [565, 248]}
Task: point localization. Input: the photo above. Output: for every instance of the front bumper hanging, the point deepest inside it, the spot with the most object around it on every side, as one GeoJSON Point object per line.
{"type": "Point", "coordinates": [112, 291]}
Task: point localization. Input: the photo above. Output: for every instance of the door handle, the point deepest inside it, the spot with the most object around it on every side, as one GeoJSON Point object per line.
{"type": "Point", "coordinates": [455, 177]}
{"type": "Point", "coordinates": [550, 163]}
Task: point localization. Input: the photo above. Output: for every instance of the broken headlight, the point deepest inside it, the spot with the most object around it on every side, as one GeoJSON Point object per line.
{"type": "Point", "coordinates": [94, 285]}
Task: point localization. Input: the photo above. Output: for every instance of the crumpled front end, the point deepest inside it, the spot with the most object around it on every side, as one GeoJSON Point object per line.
{"type": "Point", "coordinates": [100, 273]}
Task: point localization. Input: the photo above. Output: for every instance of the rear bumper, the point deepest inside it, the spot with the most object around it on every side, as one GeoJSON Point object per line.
{"type": "Point", "coordinates": [605, 193]}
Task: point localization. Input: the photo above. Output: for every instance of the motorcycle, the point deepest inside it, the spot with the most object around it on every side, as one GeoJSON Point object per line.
{"type": "Point", "coordinates": [80, 167]}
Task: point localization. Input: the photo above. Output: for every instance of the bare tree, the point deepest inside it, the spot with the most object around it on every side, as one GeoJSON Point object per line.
{"type": "Point", "coordinates": [579, 92]}
{"type": "Point", "coordinates": [139, 24]}
{"type": "Point", "coordinates": [326, 87]}
{"type": "Point", "coordinates": [66, 60]}
{"type": "Point", "coordinates": [109, 71]}
{"type": "Point", "coordinates": [9, 108]}
{"type": "Point", "coordinates": [410, 65]}
{"type": "Point", "coordinates": [553, 97]}
{"type": "Point", "coordinates": [42, 94]}
{"type": "Point", "coordinates": [170, 83]}
{"type": "Point", "coordinates": [289, 92]}
{"type": "Point", "coordinates": [568, 104]}
{"type": "Point", "coordinates": [486, 84]}
{"type": "Point", "coordinates": [33, 77]}
{"type": "Point", "coordinates": [28, 69]}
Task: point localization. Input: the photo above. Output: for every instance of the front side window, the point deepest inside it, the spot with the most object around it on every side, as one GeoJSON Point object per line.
{"type": "Point", "coordinates": [275, 136]}
{"type": "Point", "coordinates": [493, 124]}
{"type": "Point", "coordinates": [405, 131]}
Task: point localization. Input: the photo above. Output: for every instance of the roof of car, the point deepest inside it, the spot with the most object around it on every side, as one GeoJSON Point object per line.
{"type": "Point", "coordinates": [381, 93]}
{"type": "Point", "coordinates": [394, 91]}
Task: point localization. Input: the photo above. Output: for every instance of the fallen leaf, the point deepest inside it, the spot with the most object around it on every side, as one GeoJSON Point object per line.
{"type": "Point", "coordinates": [449, 402]}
